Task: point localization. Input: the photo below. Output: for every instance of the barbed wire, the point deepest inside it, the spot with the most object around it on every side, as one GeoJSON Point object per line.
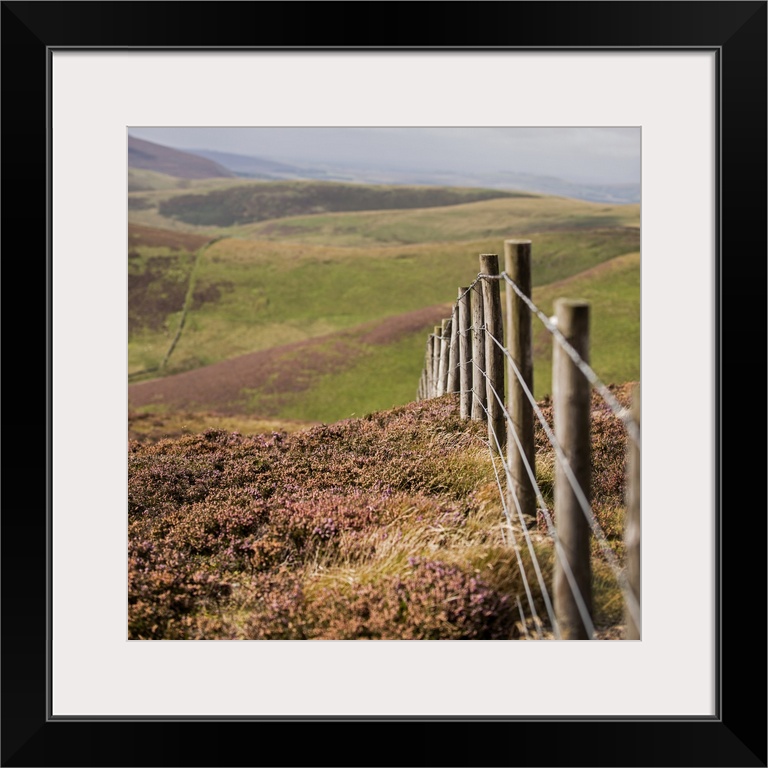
{"type": "Point", "coordinates": [469, 288]}
{"type": "Point", "coordinates": [618, 409]}
{"type": "Point", "coordinates": [564, 562]}
{"type": "Point", "coordinates": [521, 567]}
{"type": "Point", "coordinates": [622, 413]}
{"type": "Point", "coordinates": [522, 617]}
{"type": "Point", "coordinates": [605, 548]}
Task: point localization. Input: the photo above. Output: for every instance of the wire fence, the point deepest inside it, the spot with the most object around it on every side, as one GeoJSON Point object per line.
{"type": "Point", "coordinates": [485, 356]}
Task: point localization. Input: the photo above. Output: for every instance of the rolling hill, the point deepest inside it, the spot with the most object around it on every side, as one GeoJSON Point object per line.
{"type": "Point", "coordinates": [282, 482]}
{"type": "Point", "coordinates": [146, 155]}
{"type": "Point", "coordinates": [319, 316]}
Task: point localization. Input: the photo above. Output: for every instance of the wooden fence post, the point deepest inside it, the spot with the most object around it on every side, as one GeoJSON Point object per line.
{"type": "Point", "coordinates": [428, 368]}
{"type": "Point", "coordinates": [632, 521]}
{"type": "Point", "coordinates": [453, 353]}
{"type": "Point", "coordinates": [465, 369]}
{"type": "Point", "coordinates": [436, 360]}
{"type": "Point", "coordinates": [572, 396]}
{"type": "Point", "coordinates": [478, 353]}
{"type": "Point", "coordinates": [445, 338]}
{"type": "Point", "coordinates": [494, 353]}
{"type": "Point", "coordinates": [517, 265]}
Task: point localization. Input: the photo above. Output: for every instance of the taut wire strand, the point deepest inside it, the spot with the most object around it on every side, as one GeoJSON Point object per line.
{"type": "Point", "coordinates": [610, 557]}
{"type": "Point", "coordinates": [618, 409]}
{"type": "Point", "coordinates": [526, 533]}
{"type": "Point", "coordinates": [516, 548]}
{"type": "Point", "coordinates": [580, 602]}
{"type": "Point", "coordinates": [522, 616]}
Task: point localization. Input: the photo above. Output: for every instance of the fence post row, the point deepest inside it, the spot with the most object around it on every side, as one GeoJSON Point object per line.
{"type": "Point", "coordinates": [463, 356]}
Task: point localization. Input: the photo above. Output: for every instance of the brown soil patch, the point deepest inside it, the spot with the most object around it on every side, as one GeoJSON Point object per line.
{"type": "Point", "coordinates": [395, 328]}
{"type": "Point", "coordinates": [153, 237]}
{"type": "Point", "coordinates": [225, 386]}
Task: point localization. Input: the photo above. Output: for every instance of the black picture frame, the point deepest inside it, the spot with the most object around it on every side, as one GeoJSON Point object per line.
{"type": "Point", "coordinates": [736, 736]}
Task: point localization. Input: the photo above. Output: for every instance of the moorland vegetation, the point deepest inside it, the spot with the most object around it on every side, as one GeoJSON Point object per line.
{"type": "Point", "coordinates": [282, 482]}
{"type": "Point", "coordinates": [386, 527]}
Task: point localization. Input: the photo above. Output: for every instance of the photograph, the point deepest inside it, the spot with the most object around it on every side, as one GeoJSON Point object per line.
{"type": "Point", "coordinates": [342, 426]}
{"type": "Point", "coordinates": [428, 335]}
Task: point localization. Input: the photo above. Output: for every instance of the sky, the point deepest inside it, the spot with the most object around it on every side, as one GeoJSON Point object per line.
{"type": "Point", "coordinates": [605, 155]}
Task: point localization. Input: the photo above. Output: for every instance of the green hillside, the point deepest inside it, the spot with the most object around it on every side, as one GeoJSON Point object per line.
{"type": "Point", "coordinates": [303, 279]}
{"type": "Point", "coordinates": [381, 377]}
{"type": "Point", "coordinates": [276, 199]}
{"type": "Point", "coordinates": [613, 291]}
{"type": "Point", "coordinates": [499, 218]}
{"type": "Point", "coordinates": [254, 293]}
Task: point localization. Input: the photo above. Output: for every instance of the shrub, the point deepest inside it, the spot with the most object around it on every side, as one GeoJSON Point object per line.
{"type": "Point", "coordinates": [434, 601]}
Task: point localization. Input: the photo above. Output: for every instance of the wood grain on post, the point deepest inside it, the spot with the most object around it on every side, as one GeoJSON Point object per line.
{"type": "Point", "coordinates": [445, 338]}
{"type": "Point", "coordinates": [436, 360]}
{"type": "Point", "coordinates": [465, 367]}
{"type": "Point", "coordinates": [494, 353]}
{"type": "Point", "coordinates": [632, 522]}
{"type": "Point", "coordinates": [478, 353]}
{"type": "Point", "coordinates": [517, 265]}
{"type": "Point", "coordinates": [571, 396]}
{"type": "Point", "coordinates": [453, 353]}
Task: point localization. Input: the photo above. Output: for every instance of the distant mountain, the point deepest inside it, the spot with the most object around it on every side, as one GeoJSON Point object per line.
{"type": "Point", "coordinates": [253, 167]}
{"type": "Point", "coordinates": [148, 156]}
{"type": "Point", "coordinates": [206, 163]}
{"type": "Point", "coordinates": [321, 170]}
{"type": "Point", "coordinates": [550, 185]}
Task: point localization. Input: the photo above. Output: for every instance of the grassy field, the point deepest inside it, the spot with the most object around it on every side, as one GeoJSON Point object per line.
{"type": "Point", "coordinates": [379, 377]}
{"type": "Point", "coordinates": [346, 374]}
{"type": "Point", "coordinates": [613, 291]}
{"type": "Point", "coordinates": [267, 200]}
{"type": "Point", "coordinates": [294, 279]}
{"type": "Point", "coordinates": [384, 376]}
{"type": "Point", "coordinates": [487, 220]}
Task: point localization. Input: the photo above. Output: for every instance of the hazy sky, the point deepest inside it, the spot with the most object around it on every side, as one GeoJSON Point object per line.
{"type": "Point", "coordinates": [605, 155]}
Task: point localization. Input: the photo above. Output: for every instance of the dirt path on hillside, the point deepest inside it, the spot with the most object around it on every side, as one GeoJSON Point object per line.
{"type": "Point", "coordinates": [223, 387]}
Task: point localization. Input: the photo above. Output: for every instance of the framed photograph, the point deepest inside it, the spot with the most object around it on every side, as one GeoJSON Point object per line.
{"type": "Point", "coordinates": [691, 78]}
